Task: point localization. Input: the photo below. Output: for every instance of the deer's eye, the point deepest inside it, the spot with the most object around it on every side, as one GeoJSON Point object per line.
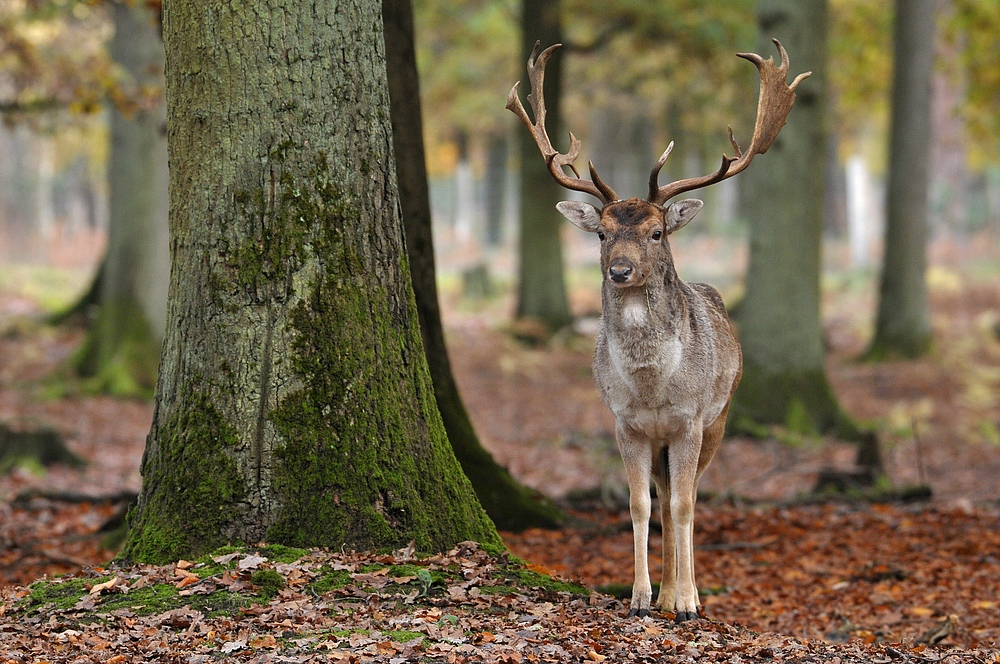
{"type": "Point", "coordinates": [657, 234]}
{"type": "Point", "coordinates": [600, 236]}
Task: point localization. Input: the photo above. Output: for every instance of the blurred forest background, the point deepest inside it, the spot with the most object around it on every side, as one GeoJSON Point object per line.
{"type": "Point", "coordinates": [83, 229]}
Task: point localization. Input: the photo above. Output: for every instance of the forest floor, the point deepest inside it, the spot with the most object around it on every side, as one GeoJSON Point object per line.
{"type": "Point", "coordinates": [847, 575]}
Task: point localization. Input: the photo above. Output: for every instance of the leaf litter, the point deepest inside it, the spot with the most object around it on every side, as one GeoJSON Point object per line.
{"type": "Point", "coordinates": [504, 613]}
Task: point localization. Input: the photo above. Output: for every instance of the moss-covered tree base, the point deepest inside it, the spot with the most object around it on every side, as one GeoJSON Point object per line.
{"type": "Point", "coordinates": [42, 447]}
{"type": "Point", "coordinates": [888, 347]}
{"type": "Point", "coordinates": [199, 488]}
{"type": "Point", "coordinates": [80, 310]}
{"type": "Point", "coordinates": [120, 353]}
{"type": "Point", "coordinates": [802, 402]}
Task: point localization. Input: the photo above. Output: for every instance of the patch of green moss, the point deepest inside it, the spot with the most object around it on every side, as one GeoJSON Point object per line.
{"type": "Point", "coordinates": [907, 344]}
{"type": "Point", "coordinates": [199, 483]}
{"type": "Point", "coordinates": [404, 570]}
{"type": "Point", "coordinates": [328, 580]}
{"type": "Point", "coordinates": [270, 582]}
{"type": "Point", "coordinates": [61, 594]}
{"type": "Point", "coordinates": [147, 601]}
{"type": "Point", "coordinates": [497, 550]}
{"type": "Point", "coordinates": [533, 579]}
{"type": "Point", "coordinates": [280, 553]}
{"type": "Point", "coordinates": [403, 635]}
{"type": "Point", "coordinates": [51, 595]}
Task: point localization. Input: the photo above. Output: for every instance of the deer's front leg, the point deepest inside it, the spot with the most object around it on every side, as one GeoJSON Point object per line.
{"type": "Point", "coordinates": [683, 461]}
{"type": "Point", "coordinates": [637, 457]}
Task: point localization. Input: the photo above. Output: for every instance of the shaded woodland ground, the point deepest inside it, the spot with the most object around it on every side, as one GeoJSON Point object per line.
{"type": "Point", "coordinates": [918, 574]}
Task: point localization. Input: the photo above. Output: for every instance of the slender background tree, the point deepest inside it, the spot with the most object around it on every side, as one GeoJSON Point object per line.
{"type": "Point", "coordinates": [541, 290]}
{"type": "Point", "coordinates": [121, 350]}
{"type": "Point", "coordinates": [902, 326]}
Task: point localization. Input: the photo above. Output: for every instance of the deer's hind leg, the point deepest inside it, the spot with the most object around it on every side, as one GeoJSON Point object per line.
{"type": "Point", "coordinates": [710, 442]}
{"type": "Point", "coordinates": [668, 575]}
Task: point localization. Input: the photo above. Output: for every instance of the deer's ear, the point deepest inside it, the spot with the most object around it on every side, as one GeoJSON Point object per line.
{"type": "Point", "coordinates": [681, 212]}
{"type": "Point", "coordinates": [580, 214]}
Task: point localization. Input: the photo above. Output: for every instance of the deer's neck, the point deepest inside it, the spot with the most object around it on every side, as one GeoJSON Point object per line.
{"type": "Point", "coordinates": [651, 310]}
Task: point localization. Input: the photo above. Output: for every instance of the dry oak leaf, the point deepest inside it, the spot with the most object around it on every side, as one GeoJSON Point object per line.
{"type": "Point", "coordinates": [267, 641]}
{"type": "Point", "coordinates": [107, 585]}
{"type": "Point", "coordinates": [186, 579]}
{"type": "Point", "coordinates": [250, 562]}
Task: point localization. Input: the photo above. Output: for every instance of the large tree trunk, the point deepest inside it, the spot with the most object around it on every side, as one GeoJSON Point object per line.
{"type": "Point", "coordinates": [541, 293]}
{"type": "Point", "coordinates": [122, 348]}
{"type": "Point", "coordinates": [902, 326]}
{"type": "Point", "coordinates": [784, 380]}
{"type": "Point", "coordinates": [294, 403]}
{"type": "Point", "coordinates": [510, 505]}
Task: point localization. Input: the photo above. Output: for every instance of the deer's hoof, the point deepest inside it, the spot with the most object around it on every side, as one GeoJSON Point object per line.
{"type": "Point", "coordinates": [686, 615]}
{"type": "Point", "coordinates": [641, 613]}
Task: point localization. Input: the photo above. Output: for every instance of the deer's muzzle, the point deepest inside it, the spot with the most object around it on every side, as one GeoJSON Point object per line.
{"type": "Point", "coordinates": [621, 272]}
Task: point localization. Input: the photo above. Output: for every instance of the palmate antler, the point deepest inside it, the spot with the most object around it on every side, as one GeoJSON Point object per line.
{"type": "Point", "coordinates": [553, 159]}
{"type": "Point", "coordinates": [773, 105]}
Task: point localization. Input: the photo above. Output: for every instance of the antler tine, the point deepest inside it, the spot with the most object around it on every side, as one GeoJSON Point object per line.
{"type": "Point", "coordinates": [654, 175]}
{"type": "Point", "coordinates": [553, 159]}
{"type": "Point", "coordinates": [773, 105]}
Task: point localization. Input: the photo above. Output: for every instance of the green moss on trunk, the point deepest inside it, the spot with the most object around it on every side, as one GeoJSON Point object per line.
{"type": "Point", "coordinates": [197, 487]}
{"type": "Point", "coordinates": [366, 461]}
{"type": "Point", "coordinates": [903, 345]}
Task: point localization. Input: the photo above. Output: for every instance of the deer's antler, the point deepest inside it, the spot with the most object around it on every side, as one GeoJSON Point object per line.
{"type": "Point", "coordinates": [553, 159]}
{"type": "Point", "coordinates": [773, 104]}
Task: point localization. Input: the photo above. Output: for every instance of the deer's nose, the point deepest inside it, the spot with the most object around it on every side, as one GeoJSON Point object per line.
{"type": "Point", "coordinates": [620, 273]}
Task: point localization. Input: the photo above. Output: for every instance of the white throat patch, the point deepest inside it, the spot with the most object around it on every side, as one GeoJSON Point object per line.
{"type": "Point", "coordinates": [635, 309]}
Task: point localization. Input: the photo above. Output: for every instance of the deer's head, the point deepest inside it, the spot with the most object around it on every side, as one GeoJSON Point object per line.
{"type": "Point", "coordinates": [633, 232]}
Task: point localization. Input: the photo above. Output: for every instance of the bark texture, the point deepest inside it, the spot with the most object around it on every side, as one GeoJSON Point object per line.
{"type": "Point", "coordinates": [541, 293]}
{"type": "Point", "coordinates": [902, 327]}
{"type": "Point", "coordinates": [294, 404]}
{"type": "Point", "coordinates": [510, 505]}
{"type": "Point", "coordinates": [784, 379]}
{"type": "Point", "coordinates": [122, 348]}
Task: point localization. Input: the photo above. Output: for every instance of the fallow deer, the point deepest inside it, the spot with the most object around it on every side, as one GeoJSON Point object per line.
{"type": "Point", "coordinates": [667, 361]}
